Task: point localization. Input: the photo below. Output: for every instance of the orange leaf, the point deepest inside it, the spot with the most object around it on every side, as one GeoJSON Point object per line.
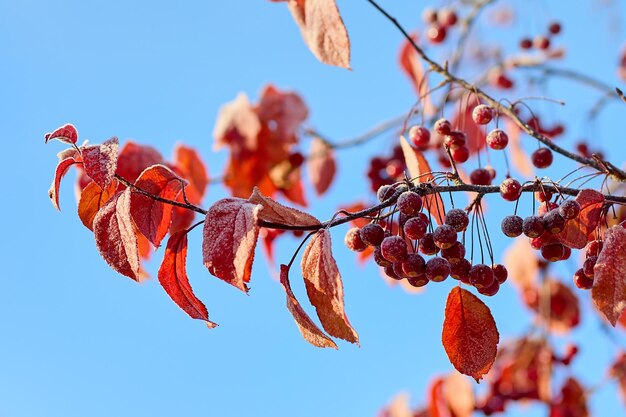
{"type": "Point", "coordinates": [323, 30]}
{"type": "Point", "coordinates": [193, 169]}
{"type": "Point", "coordinates": [520, 261]}
{"type": "Point", "coordinates": [309, 330]}
{"type": "Point", "coordinates": [100, 161]}
{"type": "Point", "coordinates": [325, 288]}
{"type": "Point", "coordinates": [470, 336]}
{"type": "Point", "coordinates": [60, 171]}
{"type": "Point", "coordinates": [519, 158]}
{"type": "Point", "coordinates": [576, 231]}
{"type": "Point", "coordinates": [115, 235]}
{"type": "Point", "coordinates": [420, 172]}
{"type": "Point", "coordinates": [153, 217]}
{"type": "Point", "coordinates": [274, 212]}
{"type": "Point", "coordinates": [229, 239]}
{"type": "Point", "coordinates": [412, 66]}
{"type": "Point", "coordinates": [463, 121]}
{"type": "Point", "coordinates": [321, 165]}
{"type": "Point", "coordinates": [173, 278]}
{"type": "Point", "coordinates": [609, 287]}
{"type": "Point", "coordinates": [92, 199]}
{"type": "Point", "coordinates": [66, 134]}
{"type": "Point", "coordinates": [134, 158]}
{"type": "Point", "coordinates": [283, 112]}
{"type": "Point", "coordinates": [237, 126]}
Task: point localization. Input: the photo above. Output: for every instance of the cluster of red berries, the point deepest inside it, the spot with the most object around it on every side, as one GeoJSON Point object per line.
{"type": "Point", "coordinates": [401, 254]}
{"type": "Point", "coordinates": [386, 170]}
{"type": "Point", "coordinates": [583, 277]}
{"type": "Point", "coordinates": [439, 22]}
{"type": "Point", "coordinates": [541, 42]}
{"type": "Point", "coordinates": [544, 227]}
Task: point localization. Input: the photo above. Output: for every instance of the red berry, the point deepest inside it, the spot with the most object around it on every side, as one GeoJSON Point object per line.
{"type": "Point", "coordinates": [543, 195]}
{"type": "Point", "coordinates": [582, 281]}
{"type": "Point", "coordinates": [510, 189]}
{"type": "Point", "coordinates": [385, 192]}
{"type": "Point", "coordinates": [393, 249]}
{"type": "Point", "coordinates": [447, 17]}
{"type": "Point", "coordinates": [512, 226]}
{"type": "Point", "coordinates": [526, 43]}
{"type": "Point", "coordinates": [460, 154]}
{"type": "Point", "coordinates": [372, 234]}
{"type": "Point", "coordinates": [541, 42]}
{"type": "Point", "coordinates": [455, 139]}
{"type": "Point", "coordinates": [296, 159]}
{"type": "Point", "coordinates": [482, 114]}
{"type": "Point", "coordinates": [379, 259]}
{"type": "Point", "coordinates": [457, 218]}
{"type": "Point", "coordinates": [443, 127]}
{"type": "Point", "coordinates": [419, 281]}
{"type": "Point", "coordinates": [460, 270]}
{"type": "Point", "coordinates": [569, 209]}
{"type": "Point", "coordinates": [497, 139]}
{"type": "Point", "coordinates": [444, 236]}
{"type": "Point", "coordinates": [553, 222]}
{"type": "Point", "coordinates": [409, 203]}
{"type": "Point", "coordinates": [353, 240]}
{"type": "Point", "coordinates": [567, 252]}
{"type": "Point", "coordinates": [415, 228]}
{"type": "Point", "coordinates": [391, 273]}
{"type": "Point", "coordinates": [588, 265]}
{"type": "Point", "coordinates": [532, 226]}
{"type": "Point", "coordinates": [540, 241]}
{"type": "Point", "coordinates": [427, 245]}
{"type": "Point", "coordinates": [454, 253]}
{"type": "Point", "coordinates": [500, 273]}
{"type": "Point", "coordinates": [554, 28]}
{"type": "Point", "coordinates": [480, 176]}
{"type": "Point", "coordinates": [437, 269]}
{"type": "Point", "coordinates": [414, 265]}
{"type": "Point", "coordinates": [481, 276]}
{"type": "Point", "coordinates": [429, 15]}
{"type": "Point", "coordinates": [490, 290]}
{"type": "Point", "coordinates": [552, 252]}
{"type": "Point", "coordinates": [594, 248]}
{"type": "Point", "coordinates": [542, 158]}
{"type": "Point", "coordinates": [498, 79]}
{"type": "Point", "coordinates": [397, 269]}
{"type": "Point", "coordinates": [436, 33]}
{"type": "Point", "coordinates": [419, 135]}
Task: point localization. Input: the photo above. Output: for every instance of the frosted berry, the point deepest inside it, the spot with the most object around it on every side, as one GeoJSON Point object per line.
{"type": "Point", "coordinates": [594, 248]}
{"type": "Point", "coordinates": [455, 139]}
{"type": "Point", "coordinates": [391, 273]}
{"type": "Point", "coordinates": [542, 158]}
{"type": "Point", "coordinates": [444, 236]}
{"type": "Point", "coordinates": [457, 218]}
{"type": "Point", "coordinates": [588, 265]}
{"type": "Point", "coordinates": [552, 252]}
{"type": "Point", "coordinates": [414, 265]}
{"type": "Point", "coordinates": [419, 281]}
{"type": "Point", "coordinates": [415, 228]}
{"type": "Point", "coordinates": [436, 33]}
{"type": "Point", "coordinates": [409, 203]}
{"type": "Point", "coordinates": [481, 276]}
{"type": "Point", "coordinates": [582, 281]}
{"type": "Point", "coordinates": [533, 226]}
{"type": "Point", "coordinates": [510, 189]}
{"type": "Point", "coordinates": [500, 273]}
{"type": "Point", "coordinates": [419, 135]}
{"type": "Point", "coordinates": [393, 248]}
{"type": "Point", "coordinates": [553, 222]}
{"type": "Point", "coordinates": [437, 269]}
{"type": "Point", "coordinates": [454, 253]}
{"type": "Point", "coordinates": [384, 193]}
{"type": "Point", "coordinates": [460, 270]}
{"type": "Point", "coordinates": [482, 114]}
{"type": "Point", "coordinates": [353, 240]}
{"type": "Point", "coordinates": [569, 209]}
{"type": "Point", "coordinates": [427, 245]}
{"type": "Point", "coordinates": [512, 226]}
{"type": "Point", "coordinates": [372, 234]}
{"type": "Point", "coordinates": [497, 139]}
{"type": "Point", "coordinates": [397, 269]}
{"type": "Point", "coordinates": [480, 176]}
{"type": "Point", "coordinates": [379, 259]}
{"type": "Point", "coordinates": [490, 290]}
{"type": "Point", "coordinates": [443, 127]}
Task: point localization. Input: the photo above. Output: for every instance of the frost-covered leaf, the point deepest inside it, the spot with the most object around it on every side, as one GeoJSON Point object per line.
{"type": "Point", "coordinates": [609, 287]}
{"type": "Point", "coordinates": [325, 288]}
{"type": "Point", "coordinates": [174, 280]}
{"type": "Point", "coordinates": [469, 336]}
{"type": "Point", "coordinates": [274, 212]}
{"type": "Point", "coordinates": [60, 171]}
{"type": "Point", "coordinates": [115, 236]}
{"type": "Point", "coordinates": [420, 172]}
{"type": "Point", "coordinates": [229, 239]}
{"type": "Point", "coordinates": [237, 125]}
{"type": "Point", "coordinates": [283, 112]}
{"type": "Point", "coordinates": [576, 231]}
{"type": "Point", "coordinates": [153, 217]}
{"type": "Point", "coordinates": [100, 161]}
{"type": "Point", "coordinates": [66, 134]}
{"type": "Point", "coordinates": [92, 198]}
{"type": "Point", "coordinates": [321, 165]}
{"type": "Point", "coordinates": [187, 160]}
{"type": "Point", "coordinates": [134, 158]}
{"type": "Point", "coordinates": [308, 328]}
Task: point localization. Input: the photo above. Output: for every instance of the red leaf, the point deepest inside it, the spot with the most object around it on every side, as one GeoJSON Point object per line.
{"type": "Point", "coordinates": [283, 112]}
{"type": "Point", "coordinates": [92, 199]}
{"type": "Point", "coordinates": [66, 134]}
{"type": "Point", "coordinates": [100, 161]}
{"type": "Point", "coordinates": [470, 336]}
{"type": "Point", "coordinates": [134, 158]}
{"type": "Point", "coordinates": [458, 395]}
{"type": "Point", "coordinates": [153, 217]}
{"type": "Point", "coordinates": [564, 312]}
{"type": "Point", "coordinates": [411, 65]}
{"type": "Point", "coordinates": [323, 30]}
{"type": "Point", "coordinates": [324, 287]}
{"type": "Point", "coordinates": [321, 165]}
{"type": "Point", "coordinates": [309, 330]}
{"type": "Point", "coordinates": [173, 278]}
{"type": "Point", "coordinates": [181, 218]}
{"type": "Point", "coordinates": [229, 239]}
{"type": "Point", "coordinates": [115, 236]}
{"type": "Point", "coordinates": [519, 158]}
{"type": "Point", "coordinates": [275, 212]}
{"type": "Point", "coordinates": [609, 287]}
{"type": "Point", "coordinates": [618, 371]}
{"type": "Point", "coordinates": [576, 232]}
{"type": "Point", "coordinates": [463, 121]}
{"type": "Point", "coordinates": [193, 169]}
{"type": "Point", "coordinates": [420, 172]}
{"type": "Point", "coordinates": [521, 261]}
{"type": "Point", "coordinates": [237, 126]}
{"type": "Point", "coordinates": [59, 173]}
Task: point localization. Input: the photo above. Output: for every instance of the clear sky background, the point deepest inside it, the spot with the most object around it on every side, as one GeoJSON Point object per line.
{"type": "Point", "coordinates": [80, 340]}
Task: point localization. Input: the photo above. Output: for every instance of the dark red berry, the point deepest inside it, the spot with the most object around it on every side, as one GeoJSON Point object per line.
{"type": "Point", "coordinates": [500, 273]}
{"type": "Point", "coordinates": [454, 253]}
{"type": "Point", "coordinates": [427, 245]}
{"type": "Point", "coordinates": [429, 15]}
{"type": "Point", "coordinates": [444, 236]}
{"type": "Point", "coordinates": [588, 265]}
{"type": "Point", "coordinates": [460, 270]}
{"type": "Point", "coordinates": [414, 265]}
{"type": "Point", "coordinates": [540, 241]}
{"type": "Point", "coordinates": [385, 192]}
{"type": "Point", "coordinates": [553, 222]}
{"type": "Point", "coordinates": [499, 79]}
{"type": "Point", "coordinates": [541, 42]}
{"type": "Point", "coordinates": [481, 276]}
{"type": "Point", "coordinates": [457, 218]}
{"type": "Point", "coordinates": [409, 203]}
{"type": "Point", "coordinates": [296, 159]}
{"type": "Point", "coordinates": [582, 281]}
{"type": "Point", "coordinates": [379, 258]}
{"type": "Point", "coordinates": [395, 168]}
{"type": "Point", "coordinates": [393, 249]}
{"type": "Point", "coordinates": [569, 209]}
{"type": "Point", "coordinates": [443, 127]}
{"type": "Point", "coordinates": [526, 43]}
{"type": "Point", "coordinates": [419, 135]}
{"type": "Point", "coordinates": [552, 252]}
{"type": "Point", "coordinates": [490, 290]}
{"type": "Point", "coordinates": [461, 154]}
{"type": "Point", "coordinates": [415, 228]}
{"type": "Point", "coordinates": [532, 226]}
{"type": "Point", "coordinates": [594, 248]}
{"type": "Point", "coordinates": [482, 114]}
{"type": "Point", "coordinates": [353, 240]}
{"type": "Point", "coordinates": [437, 269]}
{"type": "Point", "coordinates": [567, 252]}
{"type": "Point", "coordinates": [419, 281]}
{"type": "Point", "coordinates": [542, 158]}
{"type": "Point", "coordinates": [497, 139]}
{"type": "Point", "coordinates": [397, 269]}
{"type": "Point", "coordinates": [512, 226]}
{"type": "Point", "coordinates": [455, 139]}
{"type": "Point", "coordinates": [554, 28]}
{"type": "Point", "coordinates": [391, 273]}
{"type": "Point", "coordinates": [372, 234]}
{"type": "Point", "coordinates": [436, 33]}
{"type": "Point", "coordinates": [447, 17]}
{"type": "Point", "coordinates": [510, 189]}
{"type": "Point", "coordinates": [480, 176]}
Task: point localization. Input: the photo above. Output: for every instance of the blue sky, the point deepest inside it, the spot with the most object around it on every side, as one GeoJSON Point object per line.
{"type": "Point", "coordinates": [80, 340]}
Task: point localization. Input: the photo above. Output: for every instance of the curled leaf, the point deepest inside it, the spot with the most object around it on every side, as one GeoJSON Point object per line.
{"type": "Point", "coordinates": [469, 336]}
{"type": "Point", "coordinates": [193, 169]}
{"type": "Point", "coordinates": [66, 134]}
{"type": "Point", "coordinates": [609, 287]}
{"type": "Point", "coordinates": [274, 212]}
{"type": "Point", "coordinates": [100, 161]}
{"type": "Point", "coordinates": [237, 125]}
{"type": "Point", "coordinates": [134, 158]}
{"type": "Point", "coordinates": [92, 198]}
{"type": "Point", "coordinates": [60, 171]}
{"type": "Point", "coordinates": [576, 231]}
{"type": "Point", "coordinates": [321, 165]}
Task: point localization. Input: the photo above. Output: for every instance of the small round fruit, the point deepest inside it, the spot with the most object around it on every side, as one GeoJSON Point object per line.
{"type": "Point", "coordinates": [533, 226]}
{"type": "Point", "coordinates": [491, 290]}
{"type": "Point", "coordinates": [296, 159]}
{"type": "Point", "coordinates": [541, 42]}
{"type": "Point", "coordinates": [454, 253]}
{"type": "Point", "coordinates": [582, 281]}
{"type": "Point", "coordinates": [500, 273]}
{"type": "Point", "coordinates": [384, 193]}
{"type": "Point", "coordinates": [482, 114]}
{"type": "Point", "coordinates": [526, 43]}
{"type": "Point", "coordinates": [542, 158]}
{"type": "Point", "coordinates": [429, 15]}
{"type": "Point", "coordinates": [510, 189]}
{"type": "Point", "coordinates": [372, 234]}
{"type": "Point", "coordinates": [447, 17]}
{"type": "Point", "coordinates": [414, 265]}
{"type": "Point", "coordinates": [553, 222]}
{"type": "Point", "coordinates": [437, 269]}
{"type": "Point", "coordinates": [455, 139]}
{"type": "Point", "coordinates": [353, 240]}
{"type": "Point", "coordinates": [480, 176]}
{"type": "Point", "coordinates": [460, 270]}
{"type": "Point", "coordinates": [554, 28]}
{"type": "Point", "coordinates": [379, 259]}
{"type": "Point", "coordinates": [552, 252]}
{"type": "Point", "coordinates": [512, 225]}
{"type": "Point", "coordinates": [569, 209]}
{"type": "Point", "coordinates": [444, 236]}
{"type": "Point", "coordinates": [457, 218]}
{"type": "Point", "coordinates": [397, 269]}
{"type": "Point", "coordinates": [419, 135]}
{"type": "Point", "coordinates": [436, 33]}
{"type": "Point", "coordinates": [497, 139]}
{"type": "Point", "coordinates": [409, 203]}
{"type": "Point", "coordinates": [415, 228]}
{"type": "Point", "coordinates": [460, 154]}
{"type": "Point", "coordinates": [393, 249]}
{"type": "Point", "coordinates": [594, 248]}
{"type": "Point", "coordinates": [481, 276]}
{"type": "Point", "coordinates": [427, 245]}
{"type": "Point", "coordinates": [588, 265]}
{"type": "Point", "coordinates": [391, 273]}
{"type": "Point", "coordinates": [443, 126]}
{"type": "Point", "coordinates": [546, 207]}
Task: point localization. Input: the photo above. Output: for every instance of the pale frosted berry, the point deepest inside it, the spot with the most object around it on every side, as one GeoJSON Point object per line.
{"type": "Point", "coordinates": [409, 203]}
{"type": "Point", "coordinates": [482, 114]}
{"type": "Point", "coordinates": [497, 139]}
{"type": "Point", "coordinates": [457, 218]}
{"type": "Point", "coordinates": [443, 126]}
{"type": "Point", "coordinates": [372, 234]}
{"type": "Point", "coordinates": [510, 189]}
{"type": "Point", "coordinates": [419, 135]}
{"type": "Point", "coordinates": [444, 236]}
{"type": "Point", "coordinates": [393, 248]}
{"type": "Point", "coordinates": [512, 225]}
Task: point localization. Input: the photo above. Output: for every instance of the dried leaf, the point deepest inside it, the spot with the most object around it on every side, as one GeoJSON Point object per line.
{"type": "Point", "coordinates": [470, 336]}
{"type": "Point", "coordinates": [237, 126]}
{"type": "Point", "coordinates": [458, 395]}
{"type": "Point", "coordinates": [66, 134]}
{"type": "Point", "coordinates": [229, 239]}
{"type": "Point", "coordinates": [274, 212]}
{"type": "Point", "coordinates": [153, 217]}
{"type": "Point", "coordinates": [323, 30]}
{"type": "Point", "coordinates": [191, 167]}
{"type": "Point", "coordinates": [420, 172]}
{"type": "Point", "coordinates": [309, 330]}
{"type": "Point", "coordinates": [609, 287]}
{"type": "Point", "coordinates": [92, 198]}
{"type": "Point", "coordinates": [60, 171]}
{"type": "Point", "coordinates": [174, 280]}
{"type": "Point", "coordinates": [321, 165]}
{"type": "Point", "coordinates": [134, 158]}
{"type": "Point", "coordinates": [576, 232]}
{"type": "Point", "coordinates": [325, 288]}
{"type": "Point", "coordinates": [100, 161]}
{"type": "Point", "coordinates": [115, 235]}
